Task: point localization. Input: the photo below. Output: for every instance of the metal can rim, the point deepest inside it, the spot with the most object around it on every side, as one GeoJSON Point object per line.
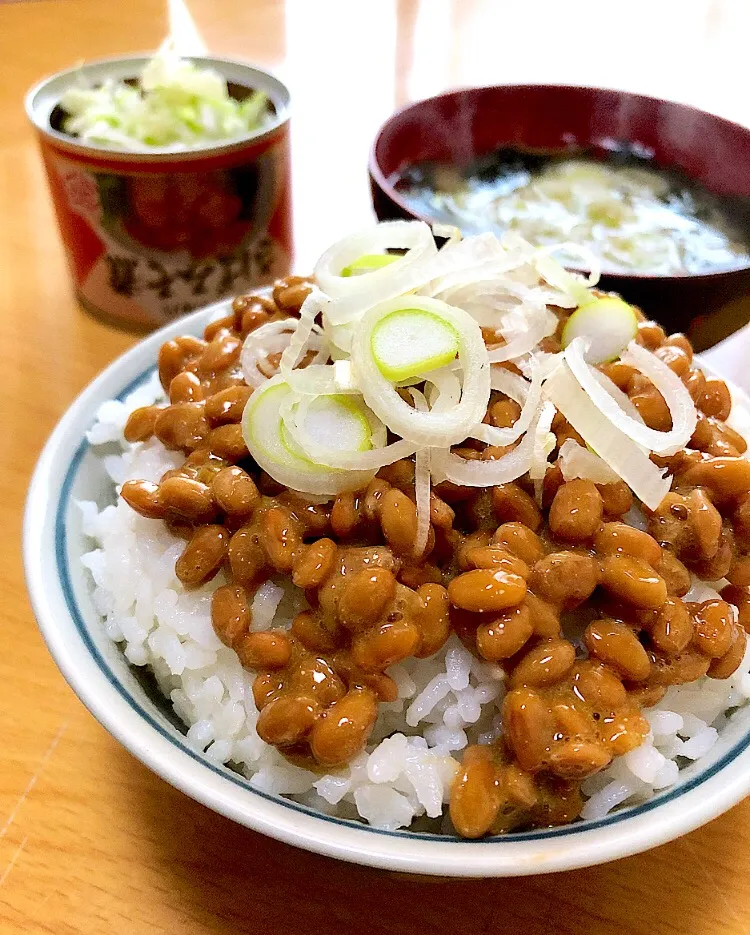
{"type": "Point", "coordinates": [45, 95]}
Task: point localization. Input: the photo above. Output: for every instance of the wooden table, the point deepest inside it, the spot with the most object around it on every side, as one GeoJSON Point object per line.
{"type": "Point", "coordinates": [90, 841]}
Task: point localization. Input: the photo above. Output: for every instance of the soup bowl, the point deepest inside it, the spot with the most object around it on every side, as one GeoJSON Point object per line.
{"type": "Point", "coordinates": [460, 125]}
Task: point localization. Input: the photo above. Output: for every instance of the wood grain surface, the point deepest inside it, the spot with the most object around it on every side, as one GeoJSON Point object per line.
{"type": "Point", "coordinates": [90, 841]}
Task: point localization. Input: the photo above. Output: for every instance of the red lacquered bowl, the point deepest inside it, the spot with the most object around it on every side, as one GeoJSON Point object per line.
{"type": "Point", "coordinates": [459, 125]}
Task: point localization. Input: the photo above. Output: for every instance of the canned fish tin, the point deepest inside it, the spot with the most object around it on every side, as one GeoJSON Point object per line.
{"type": "Point", "coordinates": [150, 236]}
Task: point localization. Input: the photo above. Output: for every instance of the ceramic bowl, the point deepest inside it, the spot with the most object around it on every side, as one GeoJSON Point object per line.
{"type": "Point", "coordinates": [112, 690]}
{"type": "Point", "coordinates": [459, 125]}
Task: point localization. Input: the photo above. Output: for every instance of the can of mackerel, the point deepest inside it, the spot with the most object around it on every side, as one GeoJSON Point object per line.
{"type": "Point", "coordinates": [152, 235]}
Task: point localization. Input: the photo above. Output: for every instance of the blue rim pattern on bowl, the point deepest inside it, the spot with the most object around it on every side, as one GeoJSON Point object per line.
{"type": "Point", "coordinates": [61, 554]}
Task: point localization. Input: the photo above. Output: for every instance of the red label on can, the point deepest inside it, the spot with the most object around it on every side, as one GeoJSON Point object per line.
{"type": "Point", "coordinates": [146, 243]}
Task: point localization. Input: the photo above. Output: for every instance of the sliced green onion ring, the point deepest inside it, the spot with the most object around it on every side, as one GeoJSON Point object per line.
{"type": "Point", "coordinates": [367, 263]}
{"type": "Point", "coordinates": [294, 414]}
{"type": "Point", "coordinates": [263, 432]}
{"type": "Point", "coordinates": [608, 323]}
{"type": "Point", "coordinates": [338, 423]}
{"type": "Point", "coordinates": [412, 341]}
{"type": "Point", "coordinates": [425, 428]}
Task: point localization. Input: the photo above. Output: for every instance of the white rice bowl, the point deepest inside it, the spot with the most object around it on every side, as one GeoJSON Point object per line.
{"type": "Point", "coordinates": [446, 702]}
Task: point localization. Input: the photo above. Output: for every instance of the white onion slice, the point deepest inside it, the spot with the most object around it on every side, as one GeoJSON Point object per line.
{"type": "Point", "coordinates": [512, 384]}
{"type": "Point", "coordinates": [275, 337]}
{"type": "Point", "coordinates": [367, 461]}
{"type": "Point", "coordinates": [577, 461]}
{"type": "Point", "coordinates": [265, 603]}
{"type": "Point", "coordinates": [513, 241]}
{"type": "Point", "coordinates": [422, 490]}
{"type": "Point", "coordinates": [542, 359]}
{"type": "Point", "coordinates": [676, 396]}
{"type": "Point", "coordinates": [450, 232]}
{"type": "Point", "coordinates": [556, 275]}
{"type": "Point", "coordinates": [494, 285]}
{"type": "Point", "coordinates": [540, 323]}
{"type": "Point", "coordinates": [313, 306]}
{"type": "Point", "coordinates": [339, 337]}
{"type": "Point", "coordinates": [622, 399]}
{"type": "Point", "coordinates": [620, 452]}
{"type": "Point", "coordinates": [445, 465]}
{"type": "Point", "coordinates": [483, 281]}
{"type": "Point", "coordinates": [530, 408]}
{"type": "Point", "coordinates": [544, 442]}
{"type": "Point", "coordinates": [541, 258]}
{"type": "Point", "coordinates": [465, 473]}
{"type": "Point", "coordinates": [461, 263]}
{"type": "Point", "coordinates": [446, 390]}
{"type": "Point", "coordinates": [490, 300]}
{"type": "Point", "coordinates": [425, 429]}
{"type": "Point", "coordinates": [353, 295]}
{"type": "Point", "coordinates": [271, 338]}
{"type": "Point", "coordinates": [486, 301]}
{"type": "Point", "coordinates": [421, 484]}
{"type": "Point", "coordinates": [323, 379]}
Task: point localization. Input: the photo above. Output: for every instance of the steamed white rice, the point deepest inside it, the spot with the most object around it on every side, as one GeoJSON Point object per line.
{"type": "Point", "coordinates": [445, 702]}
